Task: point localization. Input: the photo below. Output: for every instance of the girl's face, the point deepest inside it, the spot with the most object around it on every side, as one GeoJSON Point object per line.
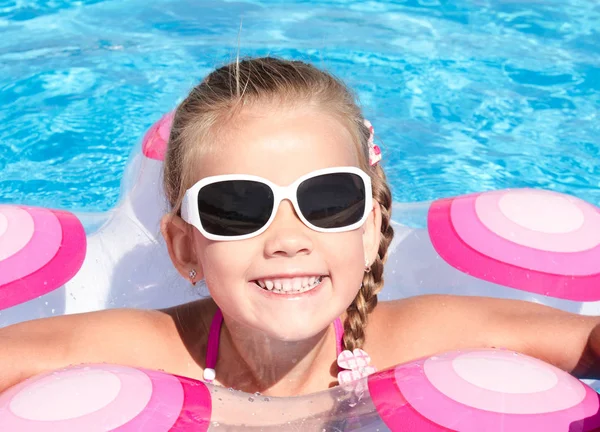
{"type": "Point", "coordinates": [282, 144]}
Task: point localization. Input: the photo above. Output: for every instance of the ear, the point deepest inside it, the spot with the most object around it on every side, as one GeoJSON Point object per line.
{"type": "Point", "coordinates": [372, 233]}
{"type": "Point", "coordinates": [179, 238]}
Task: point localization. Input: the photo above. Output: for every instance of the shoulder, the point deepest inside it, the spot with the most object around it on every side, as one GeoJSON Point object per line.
{"type": "Point", "coordinates": [437, 308]}
{"type": "Point", "coordinates": [188, 325]}
{"type": "Point", "coordinates": [427, 307]}
{"type": "Point", "coordinates": [407, 329]}
{"type": "Point", "coordinates": [166, 339]}
{"type": "Point", "coordinates": [417, 327]}
{"type": "Point", "coordinates": [131, 337]}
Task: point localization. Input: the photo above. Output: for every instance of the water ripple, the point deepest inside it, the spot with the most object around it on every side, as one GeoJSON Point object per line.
{"type": "Point", "coordinates": [465, 96]}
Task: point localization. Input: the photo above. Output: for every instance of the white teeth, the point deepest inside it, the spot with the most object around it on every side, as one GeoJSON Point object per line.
{"type": "Point", "coordinates": [297, 284]}
{"type": "Point", "coordinates": [290, 285]}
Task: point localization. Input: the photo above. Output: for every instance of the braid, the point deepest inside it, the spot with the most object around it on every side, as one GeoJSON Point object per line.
{"type": "Point", "coordinates": [366, 299]}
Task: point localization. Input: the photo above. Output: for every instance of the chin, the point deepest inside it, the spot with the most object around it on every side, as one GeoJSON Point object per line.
{"type": "Point", "coordinates": [297, 331]}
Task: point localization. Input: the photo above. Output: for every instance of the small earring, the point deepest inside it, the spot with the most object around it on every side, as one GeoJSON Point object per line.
{"type": "Point", "coordinates": [192, 274]}
{"type": "Point", "coordinates": [367, 267]}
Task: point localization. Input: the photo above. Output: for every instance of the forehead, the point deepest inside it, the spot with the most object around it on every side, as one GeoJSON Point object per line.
{"type": "Point", "coordinates": [278, 143]}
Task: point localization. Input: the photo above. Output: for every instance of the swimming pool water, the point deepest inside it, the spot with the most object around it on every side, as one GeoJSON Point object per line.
{"type": "Point", "coordinates": [466, 96]}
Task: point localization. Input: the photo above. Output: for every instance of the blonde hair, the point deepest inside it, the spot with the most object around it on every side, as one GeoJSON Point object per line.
{"type": "Point", "coordinates": [216, 100]}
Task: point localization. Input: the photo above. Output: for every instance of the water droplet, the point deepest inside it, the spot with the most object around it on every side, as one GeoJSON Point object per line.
{"type": "Point", "coordinates": [266, 399]}
{"type": "Point", "coordinates": [250, 399]}
{"type": "Point", "coordinates": [215, 424]}
{"type": "Point", "coordinates": [53, 310]}
{"type": "Point", "coordinates": [230, 389]}
{"type": "Point", "coordinates": [257, 394]}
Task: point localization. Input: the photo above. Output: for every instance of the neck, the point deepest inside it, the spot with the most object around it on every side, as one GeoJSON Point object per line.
{"type": "Point", "coordinates": [254, 362]}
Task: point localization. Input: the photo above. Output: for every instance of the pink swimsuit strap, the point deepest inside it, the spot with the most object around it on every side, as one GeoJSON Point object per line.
{"type": "Point", "coordinates": [212, 349]}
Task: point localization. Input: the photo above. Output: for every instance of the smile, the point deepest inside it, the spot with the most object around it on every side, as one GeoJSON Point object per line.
{"type": "Point", "coordinates": [290, 285]}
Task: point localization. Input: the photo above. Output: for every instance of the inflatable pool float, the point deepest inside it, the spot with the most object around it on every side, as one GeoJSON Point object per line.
{"type": "Point", "coordinates": [527, 244]}
{"type": "Point", "coordinates": [488, 390]}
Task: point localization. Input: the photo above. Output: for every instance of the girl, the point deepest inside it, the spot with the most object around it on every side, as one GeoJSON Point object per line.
{"type": "Point", "coordinates": [277, 206]}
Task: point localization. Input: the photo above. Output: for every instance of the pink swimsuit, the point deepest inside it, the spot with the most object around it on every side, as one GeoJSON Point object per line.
{"type": "Point", "coordinates": [212, 350]}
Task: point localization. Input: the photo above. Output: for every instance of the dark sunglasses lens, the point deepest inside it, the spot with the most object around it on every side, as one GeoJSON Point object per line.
{"type": "Point", "coordinates": [234, 207]}
{"type": "Point", "coordinates": [332, 200]}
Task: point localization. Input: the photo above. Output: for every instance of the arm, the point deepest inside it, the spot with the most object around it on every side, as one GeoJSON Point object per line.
{"type": "Point", "coordinates": [566, 340]}
{"type": "Point", "coordinates": [129, 337]}
{"type": "Point", "coordinates": [27, 349]}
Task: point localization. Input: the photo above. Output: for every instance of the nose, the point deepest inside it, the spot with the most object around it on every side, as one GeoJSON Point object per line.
{"type": "Point", "coordinates": [287, 236]}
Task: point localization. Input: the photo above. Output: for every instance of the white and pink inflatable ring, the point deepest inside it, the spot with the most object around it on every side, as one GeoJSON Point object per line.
{"type": "Point", "coordinates": [470, 391]}
{"type": "Point", "coordinates": [487, 390]}
{"type": "Point", "coordinates": [533, 240]}
{"type": "Point", "coordinates": [504, 243]}
{"type": "Point", "coordinates": [105, 398]}
{"type": "Point", "coordinates": [40, 250]}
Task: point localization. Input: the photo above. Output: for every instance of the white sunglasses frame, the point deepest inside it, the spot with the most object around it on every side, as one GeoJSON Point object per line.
{"type": "Point", "coordinates": [190, 213]}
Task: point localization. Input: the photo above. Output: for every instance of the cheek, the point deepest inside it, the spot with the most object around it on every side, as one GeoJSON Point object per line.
{"type": "Point", "coordinates": [225, 265]}
{"type": "Point", "coordinates": [346, 256]}
{"type": "Point", "coordinates": [223, 262]}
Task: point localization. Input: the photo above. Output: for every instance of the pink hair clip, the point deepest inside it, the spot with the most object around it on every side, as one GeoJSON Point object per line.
{"type": "Point", "coordinates": [355, 365]}
{"type": "Point", "coordinates": [374, 150]}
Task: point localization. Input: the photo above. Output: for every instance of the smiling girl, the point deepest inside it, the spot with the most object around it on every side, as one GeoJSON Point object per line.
{"type": "Point", "coordinates": [280, 205]}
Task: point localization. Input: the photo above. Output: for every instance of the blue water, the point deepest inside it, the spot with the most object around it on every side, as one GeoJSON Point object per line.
{"type": "Point", "coordinates": [489, 94]}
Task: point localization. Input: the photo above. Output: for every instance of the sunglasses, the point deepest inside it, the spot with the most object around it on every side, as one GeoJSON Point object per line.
{"type": "Point", "coordinates": [239, 206]}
